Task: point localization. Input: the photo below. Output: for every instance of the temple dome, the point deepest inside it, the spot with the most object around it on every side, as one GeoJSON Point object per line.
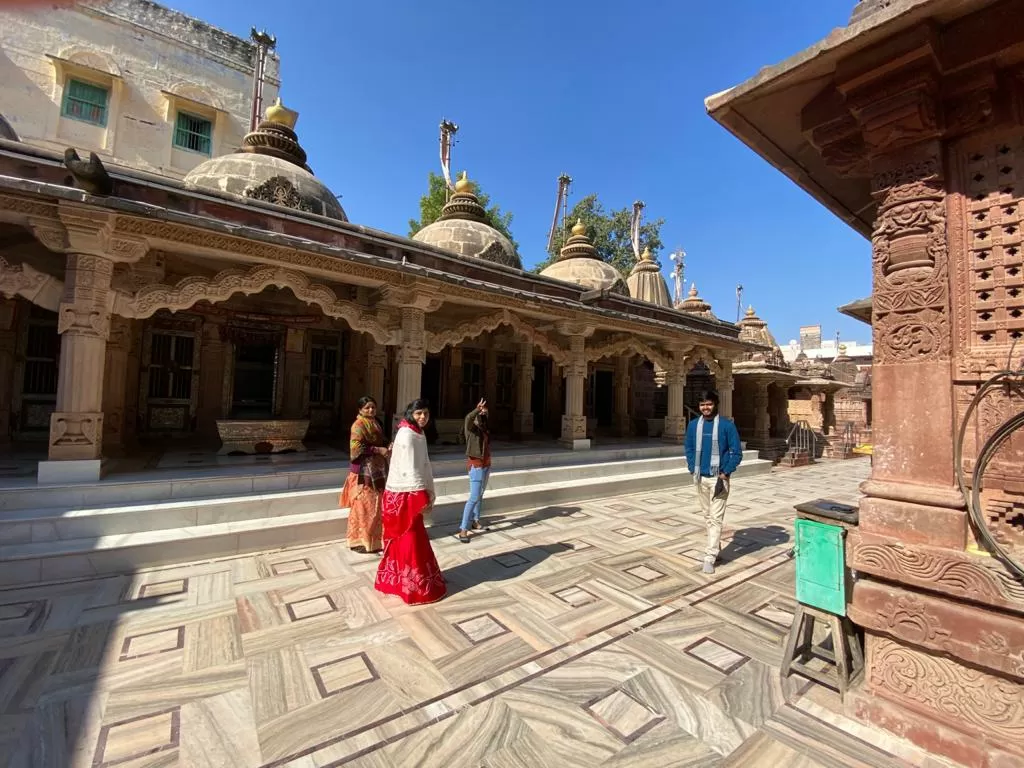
{"type": "Point", "coordinates": [755, 330]}
{"type": "Point", "coordinates": [646, 282]}
{"type": "Point", "coordinates": [579, 263]}
{"type": "Point", "coordinates": [464, 229]}
{"type": "Point", "coordinates": [270, 166]}
{"type": "Point", "coordinates": [694, 304]}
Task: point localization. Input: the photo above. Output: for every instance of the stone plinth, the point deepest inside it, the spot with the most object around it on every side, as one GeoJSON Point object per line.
{"type": "Point", "coordinates": [271, 436]}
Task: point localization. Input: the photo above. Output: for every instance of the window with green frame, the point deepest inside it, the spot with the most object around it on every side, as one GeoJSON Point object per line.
{"type": "Point", "coordinates": [85, 102]}
{"type": "Point", "coordinates": [193, 133]}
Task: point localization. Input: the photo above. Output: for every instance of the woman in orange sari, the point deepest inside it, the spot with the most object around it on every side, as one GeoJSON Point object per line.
{"type": "Point", "coordinates": [409, 568]}
{"type": "Point", "coordinates": [366, 479]}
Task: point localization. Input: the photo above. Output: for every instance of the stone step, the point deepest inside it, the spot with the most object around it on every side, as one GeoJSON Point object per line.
{"type": "Point", "coordinates": [102, 553]}
{"type": "Point", "coordinates": [163, 485]}
{"type": "Point", "coordinates": [37, 525]}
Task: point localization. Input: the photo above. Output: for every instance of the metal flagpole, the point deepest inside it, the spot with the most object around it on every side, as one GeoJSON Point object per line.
{"type": "Point", "coordinates": [739, 302]}
{"type": "Point", "coordinates": [265, 43]}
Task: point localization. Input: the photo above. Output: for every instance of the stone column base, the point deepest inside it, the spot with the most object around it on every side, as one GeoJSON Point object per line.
{"type": "Point", "coordinates": [675, 430]}
{"type": "Point", "coordinates": [522, 423]}
{"type": "Point", "coordinates": [574, 430]}
{"type": "Point", "coordinates": [575, 445]}
{"type": "Point", "coordinates": [69, 472]}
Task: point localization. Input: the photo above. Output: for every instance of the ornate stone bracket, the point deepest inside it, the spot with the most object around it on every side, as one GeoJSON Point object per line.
{"type": "Point", "coordinates": [702, 355]}
{"type": "Point", "coordinates": [472, 328]}
{"type": "Point", "coordinates": [37, 287]}
{"type": "Point", "coordinates": [225, 284]}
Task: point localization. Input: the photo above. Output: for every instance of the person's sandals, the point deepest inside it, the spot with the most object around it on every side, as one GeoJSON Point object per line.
{"type": "Point", "coordinates": [709, 566]}
{"type": "Point", "coordinates": [463, 536]}
{"type": "Point", "coordinates": [476, 526]}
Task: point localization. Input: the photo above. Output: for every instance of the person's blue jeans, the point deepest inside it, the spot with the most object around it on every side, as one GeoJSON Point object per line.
{"type": "Point", "coordinates": [477, 485]}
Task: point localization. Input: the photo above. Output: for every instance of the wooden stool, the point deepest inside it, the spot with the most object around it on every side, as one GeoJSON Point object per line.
{"type": "Point", "coordinates": [848, 658]}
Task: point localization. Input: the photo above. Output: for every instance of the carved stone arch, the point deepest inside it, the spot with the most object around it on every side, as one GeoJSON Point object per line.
{"type": "Point", "coordinates": [467, 330]}
{"type": "Point", "coordinates": [627, 343]}
{"type": "Point", "coordinates": [702, 355]}
{"type": "Point", "coordinates": [473, 328]}
{"type": "Point", "coordinates": [226, 284]}
{"type": "Point", "coordinates": [91, 58]}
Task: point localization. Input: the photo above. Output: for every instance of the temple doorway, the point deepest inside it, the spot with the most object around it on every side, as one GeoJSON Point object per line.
{"type": "Point", "coordinates": [255, 381]}
{"type": "Point", "coordinates": [603, 383]}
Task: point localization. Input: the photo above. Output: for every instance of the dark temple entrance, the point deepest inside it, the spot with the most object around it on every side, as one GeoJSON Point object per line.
{"type": "Point", "coordinates": [255, 381]}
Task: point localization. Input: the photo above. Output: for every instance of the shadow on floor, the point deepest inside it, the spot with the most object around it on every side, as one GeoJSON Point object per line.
{"type": "Point", "coordinates": [746, 541]}
{"type": "Point", "coordinates": [507, 521]}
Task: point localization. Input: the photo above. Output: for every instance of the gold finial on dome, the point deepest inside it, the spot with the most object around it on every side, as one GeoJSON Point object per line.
{"type": "Point", "coordinates": [279, 114]}
{"type": "Point", "coordinates": [842, 349]}
{"type": "Point", "coordinates": [464, 186]}
{"type": "Point", "coordinates": [579, 228]}
{"type": "Point", "coordinates": [647, 255]}
{"type": "Point", "coordinates": [693, 290]}
{"type": "Point", "coordinates": [750, 310]}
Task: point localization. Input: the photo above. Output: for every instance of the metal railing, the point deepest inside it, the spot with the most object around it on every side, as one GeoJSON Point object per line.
{"type": "Point", "coordinates": [802, 438]}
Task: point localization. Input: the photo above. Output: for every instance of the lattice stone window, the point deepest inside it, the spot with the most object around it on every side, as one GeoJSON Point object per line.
{"type": "Point", "coordinates": [323, 373]}
{"type": "Point", "coordinates": [170, 366]}
{"type": "Point", "coordinates": [193, 133]}
{"type": "Point", "coordinates": [85, 101]}
{"type": "Point", "coordinates": [995, 186]}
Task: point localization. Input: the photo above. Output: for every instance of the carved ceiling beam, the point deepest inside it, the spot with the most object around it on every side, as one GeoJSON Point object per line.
{"type": "Point", "coordinates": [407, 295]}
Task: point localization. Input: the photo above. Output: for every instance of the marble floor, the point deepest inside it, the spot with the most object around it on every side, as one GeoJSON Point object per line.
{"type": "Point", "coordinates": [582, 635]}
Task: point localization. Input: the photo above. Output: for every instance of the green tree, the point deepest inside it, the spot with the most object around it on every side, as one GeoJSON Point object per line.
{"type": "Point", "coordinates": [432, 203]}
{"type": "Point", "coordinates": [609, 232]}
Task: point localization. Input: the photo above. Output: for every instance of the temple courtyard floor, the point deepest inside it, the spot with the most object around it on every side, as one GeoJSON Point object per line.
{"type": "Point", "coordinates": [579, 635]}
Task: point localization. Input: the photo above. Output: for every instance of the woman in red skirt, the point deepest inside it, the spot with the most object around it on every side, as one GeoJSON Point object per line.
{"type": "Point", "coordinates": [409, 568]}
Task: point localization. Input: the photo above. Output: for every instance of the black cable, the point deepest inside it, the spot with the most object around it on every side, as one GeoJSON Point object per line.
{"type": "Point", "coordinates": [1013, 381]}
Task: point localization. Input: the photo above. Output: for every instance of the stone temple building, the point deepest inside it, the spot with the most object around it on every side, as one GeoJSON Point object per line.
{"type": "Point", "coordinates": [195, 283]}
{"type": "Point", "coordinates": [909, 125]}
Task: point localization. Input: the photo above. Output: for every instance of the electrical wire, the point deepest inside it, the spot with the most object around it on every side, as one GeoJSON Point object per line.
{"type": "Point", "coordinates": [1013, 382]}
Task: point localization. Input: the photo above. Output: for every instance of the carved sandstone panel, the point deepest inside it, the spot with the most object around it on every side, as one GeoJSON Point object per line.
{"type": "Point", "coordinates": [976, 635]}
{"type": "Point", "coordinates": [975, 578]}
{"type": "Point", "coordinates": [910, 262]}
{"type": "Point", "coordinates": [964, 698]}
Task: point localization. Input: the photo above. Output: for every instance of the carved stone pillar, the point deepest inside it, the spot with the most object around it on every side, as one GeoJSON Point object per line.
{"type": "Point", "coordinates": [574, 421]}
{"type": "Point", "coordinates": [76, 426]}
{"type": "Point", "coordinates": [675, 413]}
{"type": "Point", "coordinates": [623, 420]}
{"type": "Point", "coordinates": [8, 347]}
{"type": "Point", "coordinates": [816, 420]}
{"type": "Point", "coordinates": [522, 417]}
{"type": "Point", "coordinates": [410, 358]}
{"type": "Point", "coordinates": [376, 368]}
{"type": "Point", "coordinates": [725, 384]}
{"type": "Point", "coordinates": [762, 419]}
{"type": "Point", "coordinates": [115, 380]}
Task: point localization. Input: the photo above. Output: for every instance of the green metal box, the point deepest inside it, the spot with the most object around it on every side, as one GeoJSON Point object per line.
{"type": "Point", "coordinates": [821, 566]}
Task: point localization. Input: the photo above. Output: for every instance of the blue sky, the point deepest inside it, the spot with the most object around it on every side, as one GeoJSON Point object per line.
{"type": "Point", "coordinates": [610, 92]}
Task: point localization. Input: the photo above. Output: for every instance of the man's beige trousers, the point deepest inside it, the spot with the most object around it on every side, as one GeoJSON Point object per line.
{"type": "Point", "coordinates": [714, 515]}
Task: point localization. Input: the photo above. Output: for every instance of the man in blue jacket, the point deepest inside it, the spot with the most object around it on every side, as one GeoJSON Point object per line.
{"type": "Point", "coordinates": [713, 452]}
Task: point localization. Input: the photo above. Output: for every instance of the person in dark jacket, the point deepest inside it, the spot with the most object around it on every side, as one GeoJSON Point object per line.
{"type": "Point", "coordinates": [713, 452]}
{"type": "Point", "coordinates": [478, 461]}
